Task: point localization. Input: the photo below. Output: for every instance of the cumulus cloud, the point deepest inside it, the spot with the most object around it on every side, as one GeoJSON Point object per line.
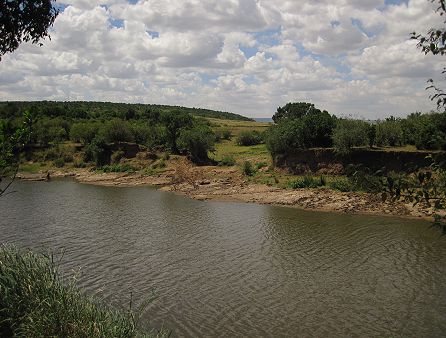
{"type": "Point", "coordinates": [247, 56]}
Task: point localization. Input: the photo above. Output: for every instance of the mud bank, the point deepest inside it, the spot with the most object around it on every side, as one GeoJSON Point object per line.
{"type": "Point", "coordinates": [226, 184]}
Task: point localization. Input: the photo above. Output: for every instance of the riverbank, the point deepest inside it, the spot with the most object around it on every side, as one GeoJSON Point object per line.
{"type": "Point", "coordinates": [229, 184]}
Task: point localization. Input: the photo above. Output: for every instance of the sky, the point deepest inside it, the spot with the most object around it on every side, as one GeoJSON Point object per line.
{"type": "Point", "coordinates": [350, 57]}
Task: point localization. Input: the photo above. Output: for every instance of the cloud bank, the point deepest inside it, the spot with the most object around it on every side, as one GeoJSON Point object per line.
{"type": "Point", "coordinates": [351, 57]}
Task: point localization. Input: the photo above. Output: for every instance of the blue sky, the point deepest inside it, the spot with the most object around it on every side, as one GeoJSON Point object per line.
{"type": "Point", "coordinates": [349, 57]}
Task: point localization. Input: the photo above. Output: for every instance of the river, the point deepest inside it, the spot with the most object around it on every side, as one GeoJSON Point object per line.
{"type": "Point", "coordinates": [219, 269]}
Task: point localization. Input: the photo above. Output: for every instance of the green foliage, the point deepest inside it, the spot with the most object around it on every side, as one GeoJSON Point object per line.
{"type": "Point", "coordinates": [389, 132]}
{"type": "Point", "coordinates": [248, 169]}
{"type": "Point", "coordinates": [300, 126]}
{"type": "Point", "coordinates": [308, 182]}
{"type": "Point", "coordinates": [117, 168]}
{"type": "Point", "coordinates": [341, 184]}
{"type": "Point", "coordinates": [349, 133]}
{"type": "Point", "coordinates": [434, 43]}
{"type": "Point", "coordinates": [174, 122]}
{"type": "Point", "coordinates": [23, 21]}
{"type": "Point", "coordinates": [284, 138]}
{"type": "Point", "coordinates": [117, 156]}
{"type": "Point", "coordinates": [59, 162]}
{"type": "Point", "coordinates": [249, 138]}
{"type": "Point", "coordinates": [295, 110]}
{"type": "Point", "coordinates": [36, 302]}
{"type": "Point", "coordinates": [261, 165]}
{"type": "Point", "coordinates": [97, 151]}
{"type": "Point", "coordinates": [12, 141]}
{"type": "Point", "coordinates": [46, 130]}
{"type": "Point", "coordinates": [423, 187]}
{"type": "Point", "coordinates": [105, 111]}
{"type": "Point", "coordinates": [197, 142]}
{"type": "Point", "coordinates": [226, 134]}
{"type": "Point", "coordinates": [84, 132]}
{"type": "Point", "coordinates": [117, 131]}
{"type": "Point", "coordinates": [227, 161]}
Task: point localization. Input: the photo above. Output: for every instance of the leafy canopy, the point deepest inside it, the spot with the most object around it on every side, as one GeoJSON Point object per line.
{"type": "Point", "coordinates": [434, 43]}
{"type": "Point", "coordinates": [23, 21]}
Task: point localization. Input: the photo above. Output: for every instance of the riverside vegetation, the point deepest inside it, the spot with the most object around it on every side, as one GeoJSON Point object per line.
{"type": "Point", "coordinates": [97, 137]}
{"type": "Point", "coordinates": [102, 138]}
{"type": "Point", "coordinates": [36, 302]}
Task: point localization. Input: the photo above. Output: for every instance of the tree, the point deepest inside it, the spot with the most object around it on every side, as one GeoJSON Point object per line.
{"type": "Point", "coordinates": [174, 122]}
{"type": "Point", "coordinates": [294, 111]}
{"type": "Point", "coordinates": [434, 43]}
{"type": "Point", "coordinates": [11, 143]}
{"type": "Point", "coordinates": [350, 133]}
{"type": "Point", "coordinates": [197, 142]}
{"type": "Point", "coordinates": [23, 21]}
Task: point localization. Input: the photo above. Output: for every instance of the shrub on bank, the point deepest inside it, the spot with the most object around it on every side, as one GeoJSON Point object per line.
{"type": "Point", "coordinates": [36, 302]}
{"type": "Point", "coordinates": [308, 182]}
{"type": "Point", "coordinates": [249, 138]}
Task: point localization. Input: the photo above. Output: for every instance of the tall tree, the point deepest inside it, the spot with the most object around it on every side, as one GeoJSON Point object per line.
{"type": "Point", "coordinates": [434, 43]}
{"type": "Point", "coordinates": [23, 21]}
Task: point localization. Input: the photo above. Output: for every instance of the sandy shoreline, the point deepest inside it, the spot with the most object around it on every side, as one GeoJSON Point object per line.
{"type": "Point", "coordinates": [224, 184]}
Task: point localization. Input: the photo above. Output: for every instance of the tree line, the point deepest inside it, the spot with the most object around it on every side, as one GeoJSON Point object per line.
{"type": "Point", "coordinates": [301, 125]}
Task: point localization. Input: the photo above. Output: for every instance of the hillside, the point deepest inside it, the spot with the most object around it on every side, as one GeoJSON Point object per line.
{"type": "Point", "coordinates": [94, 110]}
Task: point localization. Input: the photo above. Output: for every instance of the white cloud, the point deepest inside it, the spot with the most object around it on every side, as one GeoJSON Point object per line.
{"type": "Point", "coordinates": [246, 56]}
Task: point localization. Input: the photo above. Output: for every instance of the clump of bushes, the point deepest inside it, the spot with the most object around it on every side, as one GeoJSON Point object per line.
{"type": "Point", "coordinates": [36, 302]}
{"type": "Point", "coordinates": [117, 168]}
{"type": "Point", "coordinates": [249, 138]}
{"type": "Point", "coordinates": [248, 169]}
{"type": "Point", "coordinates": [342, 184]}
{"type": "Point", "coordinates": [308, 182]}
{"type": "Point", "coordinates": [59, 162]}
{"type": "Point", "coordinates": [227, 161]}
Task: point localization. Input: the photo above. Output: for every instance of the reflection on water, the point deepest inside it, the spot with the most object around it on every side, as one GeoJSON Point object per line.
{"type": "Point", "coordinates": [229, 269]}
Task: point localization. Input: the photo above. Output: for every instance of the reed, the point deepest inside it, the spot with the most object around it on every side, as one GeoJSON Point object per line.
{"type": "Point", "coordinates": [35, 301]}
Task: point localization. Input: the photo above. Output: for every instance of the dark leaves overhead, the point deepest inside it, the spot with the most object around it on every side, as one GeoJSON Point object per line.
{"type": "Point", "coordinates": [24, 21]}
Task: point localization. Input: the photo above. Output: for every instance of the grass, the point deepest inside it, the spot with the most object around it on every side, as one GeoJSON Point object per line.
{"type": "Point", "coordinates": [257, 153]}
{"type": "Point", "coordinates": [36, 302]}
{"type": "Point", "coordinates": [236, 127]}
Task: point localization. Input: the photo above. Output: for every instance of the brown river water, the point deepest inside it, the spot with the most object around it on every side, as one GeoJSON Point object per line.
{"type": "Point", "coordinates": [214, 269]}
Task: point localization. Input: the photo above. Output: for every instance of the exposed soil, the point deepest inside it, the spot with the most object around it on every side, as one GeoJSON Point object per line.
{"type": "Point", "coordinates": [228, 184]}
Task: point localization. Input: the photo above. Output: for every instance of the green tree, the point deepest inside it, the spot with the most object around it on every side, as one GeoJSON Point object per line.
{"type": "Point", "coordinates": [294, 111]}
{"type": "Point", "coordinates": [348, 134]}
{"type": "Point", "coordinates": [23, 21]}
{"type": "Point", "coordinates": [11, 144]}
{"type": "Point", "coordinates": [389, 132]}
{"type": "Point", "coordinates": [434, 43]}
{"type": "Point", "coordinates": [174, 121]}
{"type": "Point", "coordinates": [197, 142]}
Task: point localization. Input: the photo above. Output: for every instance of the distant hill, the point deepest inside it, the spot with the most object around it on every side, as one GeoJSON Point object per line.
{"type": "Point", "coordinates": [97, 110]}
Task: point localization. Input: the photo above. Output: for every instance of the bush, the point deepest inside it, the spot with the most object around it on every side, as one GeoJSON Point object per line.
{"type": "Point", "coordinates": [249, 138]}
{"type": "Point", "coordinates": [84, 132]}
{"type": "Point", "coordinates": [341, 184]}
{"type": "Point", "coordinates": [79, 164]}
{"type": "Point", "coordinates": [389, 132]}
{"type": "Point", "coordinates": [261, 165]}
{"type": "Point", "coordinates": [117, 131]}
{"type": "Point", "coordinates": [308, 182]}
{"type": "Point", "coordinates": [59, 163]}
{"type": "Point", "coordinates": [196, 143]}
{"type": "Point", "coordinates": [227, 161]}
{"type": "Point", "coordinates": [117, 168]}
{"type": "Point", "coordinates": [248, 169]}
{"type": "Point", "coordinates": [117, 156]}
{"type": "Point", "coordinates": [350, 133]}
{"type": "Point", "coordinates": [226, 134]}
{"type": "Point", "coordinates": [36, 302]}
{"type": "Point", "coordinates": [97, 151]}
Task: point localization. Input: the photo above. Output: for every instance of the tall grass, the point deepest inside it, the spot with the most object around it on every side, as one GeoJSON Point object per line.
{"type": "Point", "coordinates": [36, 302]}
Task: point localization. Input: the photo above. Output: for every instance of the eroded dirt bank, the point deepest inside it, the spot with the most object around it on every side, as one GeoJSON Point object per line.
{"type": "Point", "coordinates": [228, 184]}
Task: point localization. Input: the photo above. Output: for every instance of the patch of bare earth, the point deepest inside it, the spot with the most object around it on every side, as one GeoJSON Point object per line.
{"type": "Point", "coordinates": [228, 184]}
